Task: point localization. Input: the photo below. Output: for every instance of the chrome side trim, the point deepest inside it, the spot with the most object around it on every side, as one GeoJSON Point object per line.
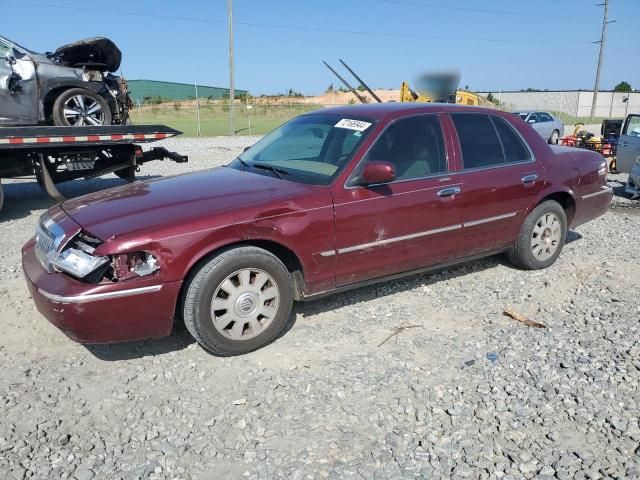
{"type": "Point", "coordinates": [90, 297]}
{"type": "Point", "coordinates": [490, 219]}
{"type": "Point", "coordinates": [604, 190]}
{"type": "Point", "coordinates": [328, 253]}
{"type": "Point", "coordinates": [386, 241]}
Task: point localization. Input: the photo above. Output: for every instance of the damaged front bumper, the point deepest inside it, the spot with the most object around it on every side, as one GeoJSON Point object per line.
{"type": "Point", "coordinates": [633, 183]}
{"type": "Point", "coordinates": [105, 313]}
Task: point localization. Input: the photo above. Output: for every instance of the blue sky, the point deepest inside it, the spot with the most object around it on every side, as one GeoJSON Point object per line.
{"type": "Point", "coordinates": [280, 43]}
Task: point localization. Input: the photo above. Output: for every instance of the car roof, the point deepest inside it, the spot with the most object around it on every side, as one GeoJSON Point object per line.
{"type": "Point", "coordinates": [380, 111]}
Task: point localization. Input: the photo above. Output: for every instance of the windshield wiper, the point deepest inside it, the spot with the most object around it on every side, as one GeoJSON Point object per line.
{"type": "Point", "coordinates": [278, 172]}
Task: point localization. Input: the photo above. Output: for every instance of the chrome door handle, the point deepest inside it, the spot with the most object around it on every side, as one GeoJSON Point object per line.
{"type": "Point", "coordinates": [530, 178]}
{"type": "Point", "coordinates": [447, 192]}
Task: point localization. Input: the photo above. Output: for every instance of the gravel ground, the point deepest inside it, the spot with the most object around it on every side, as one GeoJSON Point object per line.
{"type": "Point", "coordinates": [468, 393]}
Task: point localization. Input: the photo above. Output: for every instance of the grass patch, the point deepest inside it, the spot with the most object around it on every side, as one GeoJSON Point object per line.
{"type": "Point", "coordinates": [214, 119]}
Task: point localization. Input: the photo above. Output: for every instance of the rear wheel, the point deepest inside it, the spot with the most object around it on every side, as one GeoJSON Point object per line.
{"type": "Point", "coordinates": [541, 238]}
{"type": "Point", "coordinates": [78, 107]}
{"type": "Point", "coordinates": [555, 136]}
{"type": "Point", "coordinates": [238, 301]}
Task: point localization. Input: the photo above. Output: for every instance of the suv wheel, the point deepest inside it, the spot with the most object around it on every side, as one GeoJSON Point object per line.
{"type": "Point", "coordinates": [541, 238]}
{"type": "Point", "coordinates": [78, 107]}
{"type": "Point", "coordinates": [238, 301]}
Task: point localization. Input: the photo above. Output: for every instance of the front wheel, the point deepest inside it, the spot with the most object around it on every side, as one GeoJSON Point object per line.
{"type": "Point", "coordinates": [238, 301]}
{"type": "Point", "coordinates": [78, 107]}
{"type": "Point", "coordinates": [541, 237]}
{"type": "Point", "coordinates": [555, 136]}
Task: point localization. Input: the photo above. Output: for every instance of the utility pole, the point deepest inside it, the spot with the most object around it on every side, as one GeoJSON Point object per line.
{"type": "Point", "coordinates": [232, 118]}
{"type": "Point", "coordinates": [600, 55]}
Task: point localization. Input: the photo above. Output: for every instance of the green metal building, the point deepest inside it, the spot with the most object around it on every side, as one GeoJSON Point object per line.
{"type": "Point", "coordinates": [144, 91]}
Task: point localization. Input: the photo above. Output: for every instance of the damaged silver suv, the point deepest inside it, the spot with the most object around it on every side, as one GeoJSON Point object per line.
{"type": "Point", "coordinates": [73, 86]}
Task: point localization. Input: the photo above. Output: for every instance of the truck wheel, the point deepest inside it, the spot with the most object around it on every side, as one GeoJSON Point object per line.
{"type": "Point", "coordinates": [78, 107]}
{"type": "Point", "coordinates": [239, 301]}
{"type": "Point", "coordinates": [541, 238]}
{"type": "Point", "coordinates": [128, 174]}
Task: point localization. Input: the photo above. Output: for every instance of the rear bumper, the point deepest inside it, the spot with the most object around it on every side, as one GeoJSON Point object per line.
{"type": "Point", "coordinates": [592, 205]}
{"type": "Point", "coordinates": [633, 183]}
{"type": "Point", "coordinates": [133, 310]}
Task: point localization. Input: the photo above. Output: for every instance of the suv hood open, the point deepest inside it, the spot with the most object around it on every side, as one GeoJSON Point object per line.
{"type": "Point", "coordinates": [94, 53]}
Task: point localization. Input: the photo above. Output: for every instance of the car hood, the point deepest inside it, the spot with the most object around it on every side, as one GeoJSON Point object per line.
{"type": "Point", "coordinates": [220, 195]}
{"type": "Point", "coordinates": [95, 53]}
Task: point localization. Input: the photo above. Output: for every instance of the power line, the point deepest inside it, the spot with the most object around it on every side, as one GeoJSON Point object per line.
{"type": "Point", "coordinates": [305, 28]}
{"type": "Point", "coordinates": [486, 10]}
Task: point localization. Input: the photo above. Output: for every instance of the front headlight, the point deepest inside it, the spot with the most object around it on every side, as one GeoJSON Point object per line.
{"type": "Point", "coordinates": [76, 262]}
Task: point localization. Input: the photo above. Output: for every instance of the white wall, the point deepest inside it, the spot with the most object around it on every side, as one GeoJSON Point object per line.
{"type": "Point", "coordinates": [574, 103]}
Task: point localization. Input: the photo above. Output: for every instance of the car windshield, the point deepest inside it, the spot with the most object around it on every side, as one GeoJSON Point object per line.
{"type": "Point", "coordinates": [312, 148]}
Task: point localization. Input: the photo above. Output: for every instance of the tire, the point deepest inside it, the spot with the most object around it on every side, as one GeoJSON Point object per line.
{"type": "Point", "coordinates": [1, 195]}
{"type": "Point", "coordinates": [238, 301]}
{"type": "Point", "coordinates": [538, 231]}
{"type": "Point", "coordinates": [553, 139]}
{"type": "Point", "coordinates": [128, 174]}
{"type": "Point", "coordinates": [90, 109]}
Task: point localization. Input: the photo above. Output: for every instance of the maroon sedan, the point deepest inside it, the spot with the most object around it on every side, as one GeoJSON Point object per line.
{"type": "Point", "coordinates": [331, 200]}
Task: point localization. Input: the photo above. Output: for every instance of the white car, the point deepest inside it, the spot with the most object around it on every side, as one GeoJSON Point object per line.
{"type": "Point", "coordinates": [548, 126]}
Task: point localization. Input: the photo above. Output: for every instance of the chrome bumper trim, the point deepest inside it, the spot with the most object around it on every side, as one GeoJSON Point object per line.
{"type": "Point", "coordinates": [90, 297]}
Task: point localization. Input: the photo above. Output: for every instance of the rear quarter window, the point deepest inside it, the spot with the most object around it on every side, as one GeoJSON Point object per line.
{"type": "Point", "coordinates": [514, 148]}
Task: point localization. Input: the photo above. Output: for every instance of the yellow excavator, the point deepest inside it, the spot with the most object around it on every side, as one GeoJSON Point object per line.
{"type": "Point", "coordinates": [447, 94]}
{"type": "Point", "coordinates": [462, 96]}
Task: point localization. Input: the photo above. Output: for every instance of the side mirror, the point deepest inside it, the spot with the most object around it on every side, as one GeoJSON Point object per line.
{"type": "Point", "coordinates": [377, 172]}
{"type": "Point", "coordinates": [531, 120]}
{"type": "Point", "coordinates": [11, 60]}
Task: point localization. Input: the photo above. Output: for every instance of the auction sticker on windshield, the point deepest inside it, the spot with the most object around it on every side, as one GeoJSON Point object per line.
{"type": "Point", "coordinates": [349, 124]}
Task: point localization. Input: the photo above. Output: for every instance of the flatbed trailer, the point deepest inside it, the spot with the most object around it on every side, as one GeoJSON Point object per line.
{"type": "Point", "coordinates": [59, 154]}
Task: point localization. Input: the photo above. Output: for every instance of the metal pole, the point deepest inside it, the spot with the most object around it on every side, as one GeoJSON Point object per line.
{"type": "Point", "coordinates": [139, 111]}
{"type": "Point", "coordinates": [600, 57]}
{"type": "Point", "coordinates": [232, 119]}
{"type": "Point", "coordinates": [197, 109]}
{"type": "Point", "coordinates": [613, 94]}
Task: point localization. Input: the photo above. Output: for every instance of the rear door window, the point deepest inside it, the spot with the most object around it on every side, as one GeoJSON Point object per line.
{"type": "Point", "coordinates": [479, 140]}
{"type": "Point", "coordinates": [488, 141]}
